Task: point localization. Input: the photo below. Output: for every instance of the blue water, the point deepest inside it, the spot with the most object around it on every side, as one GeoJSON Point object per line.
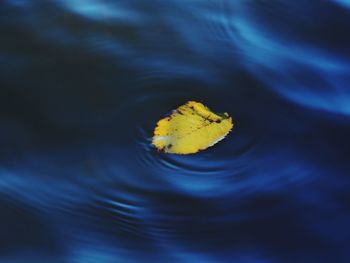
{"type": "Point", "coordinates": [82, 85]}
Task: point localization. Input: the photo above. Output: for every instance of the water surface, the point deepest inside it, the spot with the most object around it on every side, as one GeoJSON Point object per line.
{"type": "Point", "coordinates": [82, 85]}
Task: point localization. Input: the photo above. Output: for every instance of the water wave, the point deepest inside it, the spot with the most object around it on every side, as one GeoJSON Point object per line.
{"type": "Point", "coordinates": [83, 86]}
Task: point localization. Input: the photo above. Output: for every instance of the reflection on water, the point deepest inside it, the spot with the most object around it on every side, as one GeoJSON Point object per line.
{"type": "Point", "coordinates": [83, 84]}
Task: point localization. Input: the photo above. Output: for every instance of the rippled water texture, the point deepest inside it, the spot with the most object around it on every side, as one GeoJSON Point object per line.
{"type": "Point", "coordinates": [82, 85]}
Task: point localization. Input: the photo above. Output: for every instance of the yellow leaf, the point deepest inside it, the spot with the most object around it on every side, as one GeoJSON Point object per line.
{"type": "Point", "coordinates": [190, 128]}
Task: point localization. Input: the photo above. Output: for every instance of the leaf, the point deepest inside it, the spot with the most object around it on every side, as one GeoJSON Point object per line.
{"type": "Point", "coordinates": [190, 128]}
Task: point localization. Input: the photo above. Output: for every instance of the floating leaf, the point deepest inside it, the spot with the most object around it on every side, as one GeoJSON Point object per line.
{"type": "Point", "coordinates": [190, 128]}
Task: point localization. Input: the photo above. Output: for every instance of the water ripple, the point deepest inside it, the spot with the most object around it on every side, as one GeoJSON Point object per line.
{"type": "Point", "coordinates": [83, 86]}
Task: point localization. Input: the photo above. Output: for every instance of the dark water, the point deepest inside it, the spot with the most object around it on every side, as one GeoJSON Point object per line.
{"type": "Point", "coordinates": [83, 83]}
